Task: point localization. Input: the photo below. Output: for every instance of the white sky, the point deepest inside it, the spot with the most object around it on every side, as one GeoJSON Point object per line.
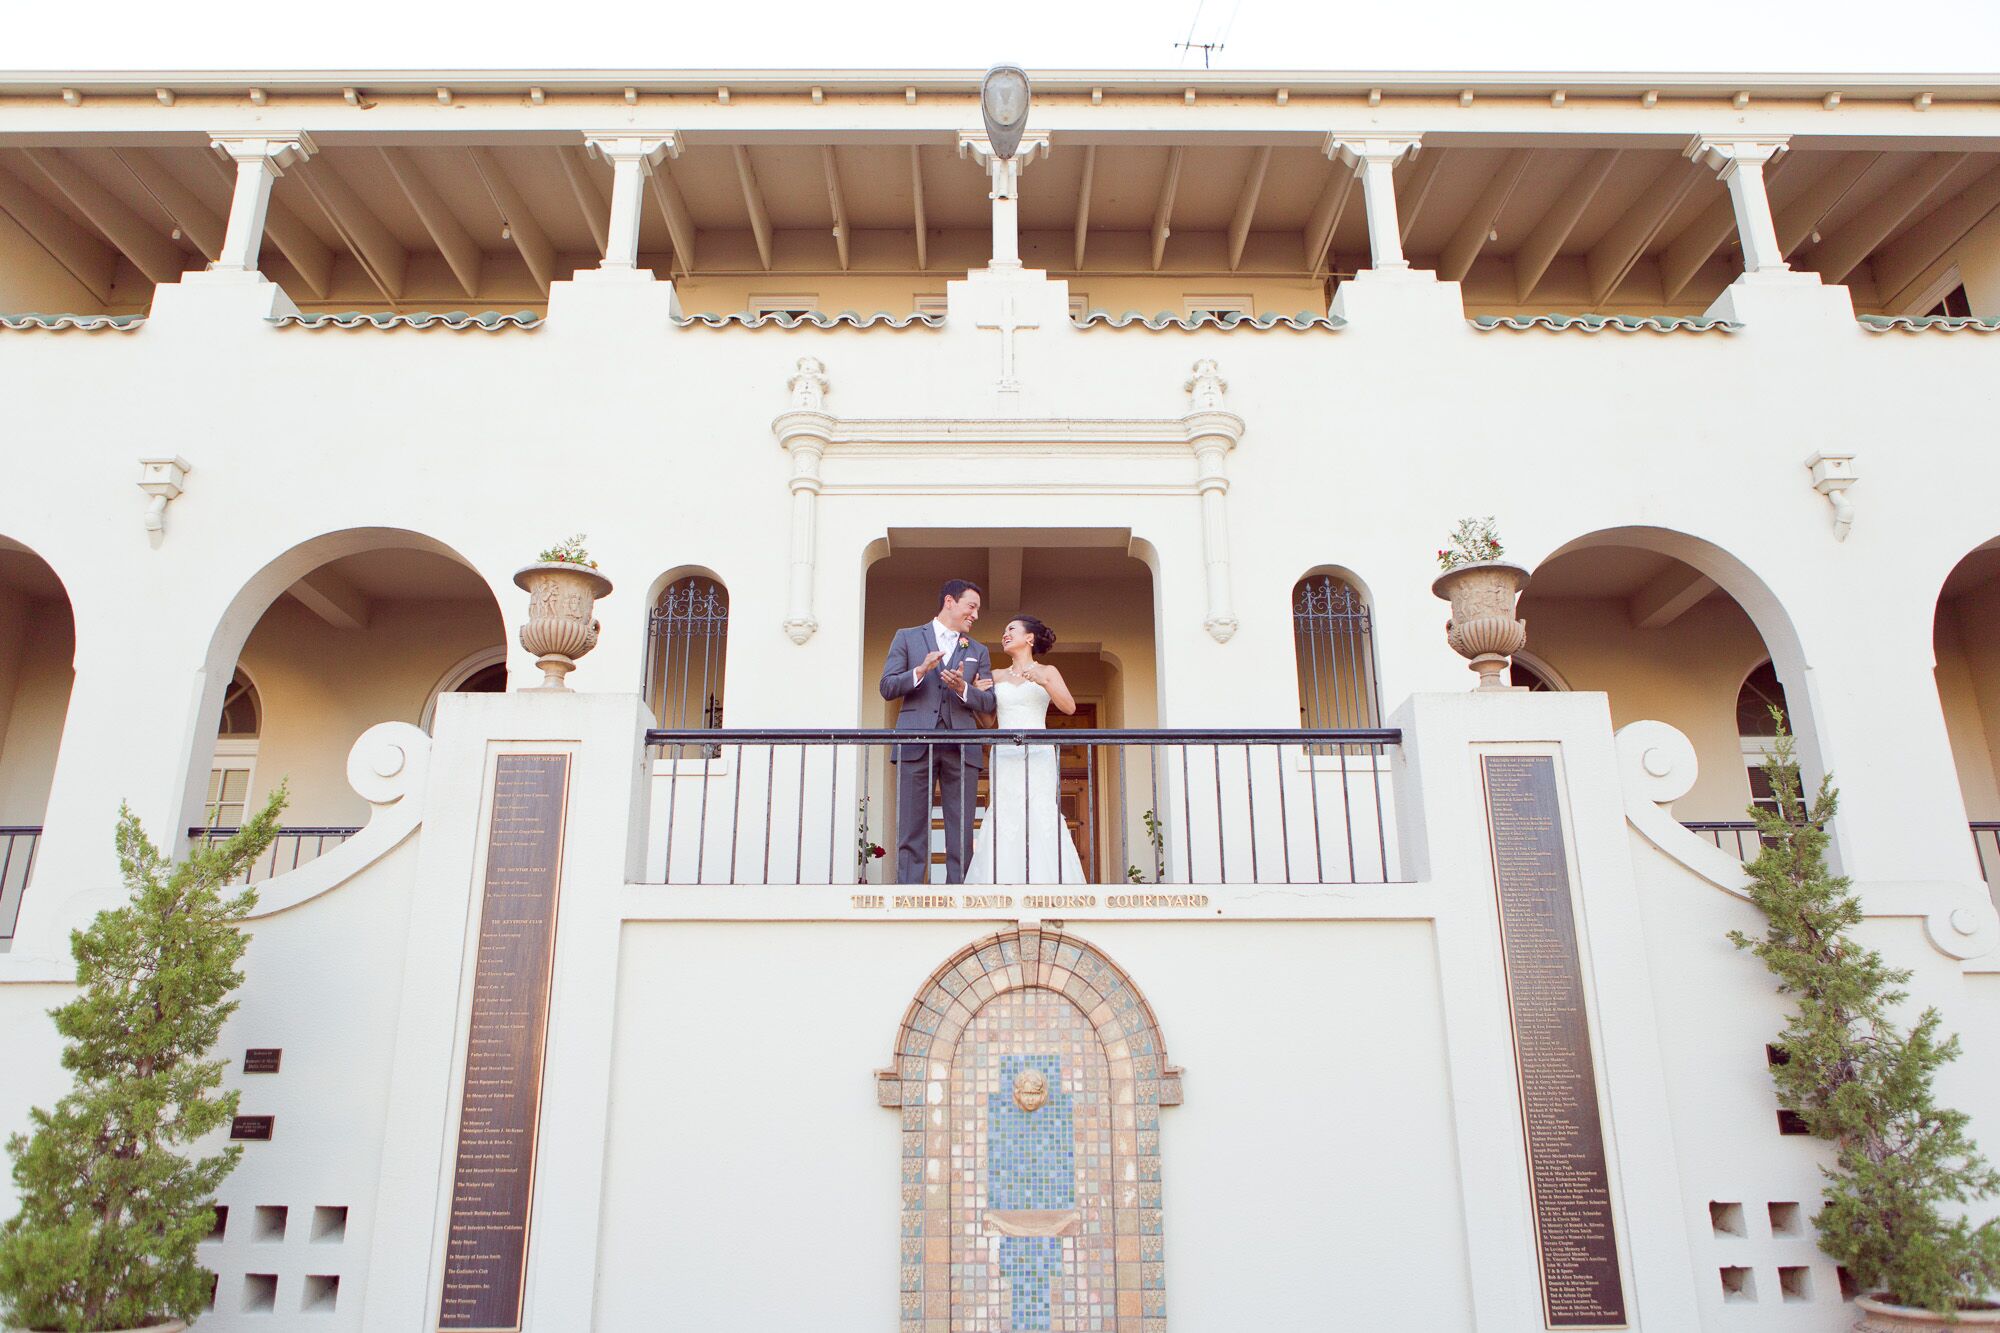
{"type": "Point", "coordinates": [1927, 36]}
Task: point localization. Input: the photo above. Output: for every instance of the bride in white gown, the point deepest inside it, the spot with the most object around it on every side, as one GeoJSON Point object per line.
{"type": "Point", "coordinates": [1024, 832]}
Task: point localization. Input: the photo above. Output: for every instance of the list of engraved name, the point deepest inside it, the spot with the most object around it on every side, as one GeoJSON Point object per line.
{"type": "Point", "coordinates": [486, 1248]}
{"type": "Point", "coordinates": [1581, 1282]}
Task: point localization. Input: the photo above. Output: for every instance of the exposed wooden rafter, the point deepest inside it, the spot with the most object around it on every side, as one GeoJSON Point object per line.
{"type": "Point", "coordinates": [1163, 210]}
{"type": "Point", "coordinates": [1534, 255]}
{"type": "Point", "coordinates": [1799, 219]}
{"type": "Point", "coordinates": [1416, 189]}
{"type": "Point", "coordinates": [918, 220]}
{"type": "Point", "coordinates": [596, 212]}
{"type": "Point", "coordinates": [137, 239]}
{"type": "Point", "coordinates": [87, 259]}
{"type": "Point", "coordinates": [1668, 596]}
{"type": "Point", "coordinates": [1318, 238]}
{"type": "Point", "coordinates": [1611, 260]}
{"type": "Point", "coordinates": [1083, 204]}
{"type": "Point", "coordinates": [836, 201]}
{"type": "Point", "coordinates": [197, 221]}
{"type": "Point", "coordinates": [673, 207]}
{"type": "Point", "coordinates": [382, 257]}
{"type": "Point", "coordinates": [331, 597]}
{"type": "Point", "coordinates": [525, 231]}
{"type": "Point", "coordinates": [1838, 255]}
{"type": "Point", "coordinates": [753, 201]}
{"type": "Point", "coordinates": [1903, 262]}
{"type": "Point", "coordinates": [1246, 205]}
{"type": "Point", "coordinates": [460, 251]}
{"type": "Point", "coordinates": [1477, 224]}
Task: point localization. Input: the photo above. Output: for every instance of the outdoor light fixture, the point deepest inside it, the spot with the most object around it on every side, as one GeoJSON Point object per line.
{"type": "Point", "coordinates": [1004, 95]}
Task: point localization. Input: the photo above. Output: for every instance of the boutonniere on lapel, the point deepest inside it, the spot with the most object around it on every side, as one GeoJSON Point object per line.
{"type": "Point", "coordinates": [964, 644]}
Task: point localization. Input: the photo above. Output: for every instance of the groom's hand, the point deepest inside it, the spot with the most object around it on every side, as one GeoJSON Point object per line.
{"type": "Point", "coordinates": [925, 668]}
{"type": "Point", "coordinates": [954, 680]}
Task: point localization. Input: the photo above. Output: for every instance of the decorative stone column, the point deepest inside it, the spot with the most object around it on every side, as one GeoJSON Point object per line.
{"type": "Point", "coordinates": [1375, 157]}
{"type": "Point", "coordinates": [1740, 159]}
{"type": "Point", "coordinates": [804, 432]}
{"type": "Point", "coordinates": [260, 159]}
{"type": "Point", "coordinates": [1006, 190]}
{"type": "Point", "coordinates": [1212, 432]}
{"type": "Point", "coordinates": [632, 156]}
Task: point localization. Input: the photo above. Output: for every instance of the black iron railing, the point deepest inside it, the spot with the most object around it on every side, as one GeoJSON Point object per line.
{"type": "Point", "coordinates": [1738, 837]}
{"type": "Point", "coordinates": [807, 806]}
{"type": "Point", "coordinates": [292, 848]}
{"type": "Point", "coordinates": [18, 845]}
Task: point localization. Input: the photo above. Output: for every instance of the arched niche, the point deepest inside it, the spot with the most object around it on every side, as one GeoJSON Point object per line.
{"type": "Point", "coordinates": [37, 670]}
{"type": "Point", "coordinates": [1669, 625]}
{"type": "Point", "coordinates": [1019, 1215]}
{"type": "Point", "coordinates": [346, 629]}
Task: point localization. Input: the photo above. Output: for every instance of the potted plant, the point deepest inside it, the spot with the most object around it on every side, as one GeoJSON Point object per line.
{"type": "Point", "coordinates": [1862, 1081]}
{"type": "Point", "coordinates": [562, 586]}
{"type": "Point", "coordinates": [112, 1200]}
{"type": "Point", "coordinates": [1481, 588]}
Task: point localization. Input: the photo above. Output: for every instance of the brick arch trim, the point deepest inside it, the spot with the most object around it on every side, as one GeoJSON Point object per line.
{"type": "Point", "coordinates": [1040, 956]}
{"type": "Point", "coordinates": [916, 1084]}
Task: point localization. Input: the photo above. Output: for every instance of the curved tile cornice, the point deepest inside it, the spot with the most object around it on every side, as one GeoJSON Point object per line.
{"type": "Point", "coordinates": [1599, 323]}
{"type": "Point", "coordinates": [490, 321]}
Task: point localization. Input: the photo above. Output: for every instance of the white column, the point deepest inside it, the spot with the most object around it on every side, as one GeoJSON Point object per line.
{"type": "Point", "coordinates": [1212, 433]}
{"type": "Point", "coordinates": [1739, 160]}
{"type": "Point", "coordinates": [1006, 189]}
{"type": "Point", "coordinates": [804, 432]}
{"type": "Point", "coordinates": [1375, 156]}
{"type": "Point", "coordinates": [631, 157]}
{"type": "Point", "coordinates": [260, 159]}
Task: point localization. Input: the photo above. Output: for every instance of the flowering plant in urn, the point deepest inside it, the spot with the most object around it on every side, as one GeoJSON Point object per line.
{"type": "Point", "coordinates": [1481, 588]}
{"type": "Point", "coordinates": [562, 587]}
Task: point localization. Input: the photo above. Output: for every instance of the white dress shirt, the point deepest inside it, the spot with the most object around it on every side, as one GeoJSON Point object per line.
{"type": "Point", "coordinates": [947, 640]}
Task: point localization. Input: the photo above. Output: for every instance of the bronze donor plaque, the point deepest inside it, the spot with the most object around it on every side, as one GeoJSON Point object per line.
{"type": "Point", "coordinates": [253, 1128]}
{"type": "Point", "coordinates": [493, 1184]}
{"type": "Point", "coordinates": [263, 1059]}
{"type": "Point", "coordinates": [1582, 1284]}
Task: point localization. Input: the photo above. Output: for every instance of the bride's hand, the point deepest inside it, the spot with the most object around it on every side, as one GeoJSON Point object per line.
{"type": "Point", "coordinates": [983, 683]}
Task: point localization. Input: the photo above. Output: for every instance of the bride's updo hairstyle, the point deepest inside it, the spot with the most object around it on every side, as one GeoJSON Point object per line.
{"type": "Point", "coordinates": [1044, 637]}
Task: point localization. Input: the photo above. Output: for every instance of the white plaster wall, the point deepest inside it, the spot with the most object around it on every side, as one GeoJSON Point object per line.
{"type": "Point", "coordinates": [1310, 1168]}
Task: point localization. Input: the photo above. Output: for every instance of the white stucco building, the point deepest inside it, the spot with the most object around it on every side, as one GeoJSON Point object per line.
{"type": "Point", "coordinates": [1718, 356]}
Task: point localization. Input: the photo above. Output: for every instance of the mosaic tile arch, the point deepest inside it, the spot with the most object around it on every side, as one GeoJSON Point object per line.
{"type": "Point", "coordinates": [1029, 1074]}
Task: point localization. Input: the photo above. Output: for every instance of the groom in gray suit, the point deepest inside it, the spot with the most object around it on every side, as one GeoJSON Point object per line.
{"type": "Point", "coordinates": [935, 669]}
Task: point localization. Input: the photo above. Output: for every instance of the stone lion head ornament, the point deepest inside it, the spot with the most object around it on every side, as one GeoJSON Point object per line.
{"type": "Point", "coordinates": [1031, 1089]}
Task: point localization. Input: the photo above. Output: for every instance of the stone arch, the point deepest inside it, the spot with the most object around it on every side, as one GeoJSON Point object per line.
{"type": "Point", "coordinates": [1750, 591]}
{"type": "Point", "coordinates": [241, 614]}
{"type": "Point", "coordinates": [1020, 961]}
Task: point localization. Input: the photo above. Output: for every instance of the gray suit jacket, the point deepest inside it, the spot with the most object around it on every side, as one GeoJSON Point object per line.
{"type": "Point", "coordinates": [929, 706]}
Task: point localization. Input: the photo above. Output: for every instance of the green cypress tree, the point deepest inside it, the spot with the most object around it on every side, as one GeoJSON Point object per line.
{"type": "Point", "coordinates": [112, 1204]}
{"type": "Point", "coordinates": [1861, 1080]}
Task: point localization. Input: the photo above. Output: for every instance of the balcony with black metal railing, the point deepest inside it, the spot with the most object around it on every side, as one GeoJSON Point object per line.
{"type": "Point", "coordinates": [1206, 806]}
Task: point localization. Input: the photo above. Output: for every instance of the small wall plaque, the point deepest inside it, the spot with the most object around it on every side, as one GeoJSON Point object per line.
{"type": "Point", "coordinates": [262, 1059]}
{"type": "Point", "coordinates": [253, 1127]}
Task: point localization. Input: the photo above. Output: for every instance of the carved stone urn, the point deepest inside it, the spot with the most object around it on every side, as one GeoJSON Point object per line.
{"type": "Point", "coordinates": [560, 628]}
{"type": "Point", "coordinates": [1878, 1316]}
{"type": "Point", "coordinates": [1483, 627]}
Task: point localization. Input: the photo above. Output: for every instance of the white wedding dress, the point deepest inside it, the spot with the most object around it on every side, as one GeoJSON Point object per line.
{"type": "Point", "coordinates": [1024, 833]}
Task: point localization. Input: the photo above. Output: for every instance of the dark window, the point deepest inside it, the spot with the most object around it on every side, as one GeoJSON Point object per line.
{"type": "Point", "coordinates": [1336, 655]}
{"type": "Point", "coordinates": [1754, 702]}
{"type": "Point", "coordinates": [1955, 303]}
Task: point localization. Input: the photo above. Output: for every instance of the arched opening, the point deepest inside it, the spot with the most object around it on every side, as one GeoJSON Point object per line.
{"type": "Point", "coordinates": [1028, 1150]}
{"type": "Point", "coordinates": [37, 668]}
{"type": "Point", "coordinates": [687, 655]}
{"type": "Point", "coordinates": [1334, 646]}
{"type": "Point", "coordinates": [1965, 636]}
{"type": "Point", "coordinates": [343, 632]}
{"type": "Point", "coordinates": [1664, 624]}
{"type": "Point", "coordinates": [1095, 588]}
